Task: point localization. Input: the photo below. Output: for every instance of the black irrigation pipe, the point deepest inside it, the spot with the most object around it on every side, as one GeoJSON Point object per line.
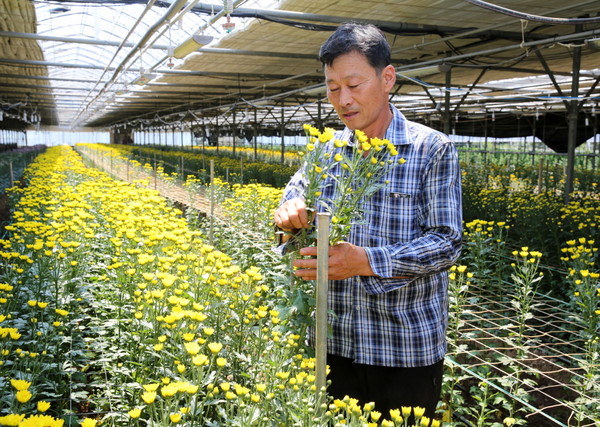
{"type": "Point", "coordinates": [530, 17]}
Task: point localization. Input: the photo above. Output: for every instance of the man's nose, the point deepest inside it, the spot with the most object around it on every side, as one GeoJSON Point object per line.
{"type": "Point", "coordinates": [345, 97]}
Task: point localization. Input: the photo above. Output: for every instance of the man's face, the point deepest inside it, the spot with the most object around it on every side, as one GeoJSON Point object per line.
{"type": "Point", "coordinates": [358, 94]}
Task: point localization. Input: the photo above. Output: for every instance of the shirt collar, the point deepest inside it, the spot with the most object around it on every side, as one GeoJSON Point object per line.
{"type": "Point", "coordinates": [397, 131]}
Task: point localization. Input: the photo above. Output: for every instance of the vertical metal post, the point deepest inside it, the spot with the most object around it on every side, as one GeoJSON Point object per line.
{"type": "Point", "coordinates": [155, 173]}
{"type": "Point", "coordinates": [234, 132]}
{"type": "Point", "coordinates": [319, 114]}
{"type": "Point", "coordinates": [448, 72]}
{"type": "Point", "coordinates": [212, 201]}
{"type": "Point", "coordinates": [321, 305]}
{"type": "Point", "coordinates": [182, 169]}
{"type": "Point", "coordinates": [217, 132]}
{"type": "Point", "coordinates": [282, 130]}
{"type": "Point", "coordinates": [540, 175]}
{"type": "Point", "coordinates": [255, 135]}
{"type": "Point", "coordinates": [572, 116]}
{"type": "Point", "coordinates": [595, 151]}
{"type": "Point", "coordinates": [12, 176]}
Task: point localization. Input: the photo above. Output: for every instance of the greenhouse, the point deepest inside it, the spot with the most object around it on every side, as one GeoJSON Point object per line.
{"type": "Point", "coordinates": [145, 148]}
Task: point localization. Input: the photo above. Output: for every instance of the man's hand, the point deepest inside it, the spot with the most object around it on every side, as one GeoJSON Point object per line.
{"type": "Point", "coordinates": [345, 260]}
{"type": "Point", "coordinates": [292, 215]}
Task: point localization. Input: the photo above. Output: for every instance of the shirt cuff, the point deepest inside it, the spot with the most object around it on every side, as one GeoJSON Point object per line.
{"type": "Point", "coordinates": [384, 279]}
{"type": "Point", "coordinates": [380, 260]}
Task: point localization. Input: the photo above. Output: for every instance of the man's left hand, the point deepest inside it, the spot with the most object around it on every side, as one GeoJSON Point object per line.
{"type": "Point", "coordinates": [345, 260]}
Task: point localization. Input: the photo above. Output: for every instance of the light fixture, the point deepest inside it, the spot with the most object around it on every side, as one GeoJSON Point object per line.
{"type": "Point", "coordinates": [191, 45]}
{"type": "Point", "coordinates": [144, 78]}
{"type": "Point", "coordinates": [594, 43]}
{"type": "Point", "coordinates": [315, 90]}
{"type": "Point", "coordinates": [423, 71]}
{"type": "Point", "coordinates": [260, 103]}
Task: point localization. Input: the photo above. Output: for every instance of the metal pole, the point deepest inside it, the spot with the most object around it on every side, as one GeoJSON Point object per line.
{"type": "Point", "coordinates": [321, 308]}
{"type": "Point", "coordinates": [572, 119]}
{"type": "Point", "coordinates": [155, 173]}
{"type": "Point", "coordinates": [182, 169]}
{"type": "Point", "coordinates": [12, 176]}
{"type": "Point", "coordinates": [233, 132]}
{"type": "Point", "coordinates": [448, 71]}
{"type": "Point", "coordinates": [255, 135]}
{"type": "Point", "coordinates": [282, 130]}
{"type": "Point", "coordinates": [212, 200]}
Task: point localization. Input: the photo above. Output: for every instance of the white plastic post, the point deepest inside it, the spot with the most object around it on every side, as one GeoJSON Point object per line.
{"type": "Point", "coordinates": [321, 305]}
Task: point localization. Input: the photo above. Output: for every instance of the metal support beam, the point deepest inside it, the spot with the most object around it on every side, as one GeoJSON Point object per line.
{"type": "Point", "coordinates": [282, 131]}
{"type": "Point", "coordinates": [448, 70]}
{"type": "Point", "coordinates": [551, 75]}
{"type": "Point", "coordinates": [572, 119]}
{"type": "Point", "coordinates": [471, 87]}
{"type": "Point", "coordinates": [233, 131]}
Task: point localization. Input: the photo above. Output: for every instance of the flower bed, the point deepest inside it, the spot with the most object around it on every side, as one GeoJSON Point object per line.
{"type": "Point", "coordinates": [114, 310]}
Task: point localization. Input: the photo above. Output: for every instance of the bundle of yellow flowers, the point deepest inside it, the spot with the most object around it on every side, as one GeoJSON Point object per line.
{"type": "Point", "coordinates": [355, 168]}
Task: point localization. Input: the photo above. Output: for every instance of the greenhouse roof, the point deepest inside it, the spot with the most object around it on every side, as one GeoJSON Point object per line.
{"type": "Point", "coordinates": [124, 63]}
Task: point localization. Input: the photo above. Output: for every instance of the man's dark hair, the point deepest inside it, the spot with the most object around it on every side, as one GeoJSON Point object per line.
{"type": "Point", "coordinates": [367, 40]}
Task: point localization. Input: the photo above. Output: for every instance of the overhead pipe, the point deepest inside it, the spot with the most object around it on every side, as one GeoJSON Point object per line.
{"type": "Point", "coordinates": [172, 11]}
{"type": "Point", "coordinates": [478, 31]}
{"type": "Point", "coordinates": [390, 26]}
{"type": "Point", "coordinates": [534, 18]}
{"type": "Point", "coordinates": [98, 42]}
{"type": "Point", "coordinates": [123, 42]}
{"type": "Point", "coordinates": [107, 68]}
{"type": "Point", "coordinates": [549, 40]}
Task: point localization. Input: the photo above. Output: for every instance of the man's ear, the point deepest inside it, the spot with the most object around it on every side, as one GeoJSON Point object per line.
{"type": "Point", "coordinates": [389, 76]}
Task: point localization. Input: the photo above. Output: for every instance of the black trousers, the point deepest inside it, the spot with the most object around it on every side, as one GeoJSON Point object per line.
{"type": "Point", "coordinates": [389, 388]}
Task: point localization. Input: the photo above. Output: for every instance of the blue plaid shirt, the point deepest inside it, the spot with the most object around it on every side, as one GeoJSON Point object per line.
{"type": "Point", "coordinates": [412, 228]}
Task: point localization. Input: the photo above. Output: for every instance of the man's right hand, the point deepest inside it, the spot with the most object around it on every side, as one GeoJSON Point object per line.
{"type": "Point", "coordinates": [292, 215]}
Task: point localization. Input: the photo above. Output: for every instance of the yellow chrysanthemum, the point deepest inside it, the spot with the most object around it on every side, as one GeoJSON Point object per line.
{"type": "Point", "coordinates": [135, 413]}
{"type": "Point", "coordinates": [23, 396]}
{"type": "Point", "coordinates": [43, 406]}
{"type": "Point", "coordinates": [215, 347]}
{"type": "Point", "coordinates": [149, 397]}
{"type": "Point", "coordinates": [88, 422]}
{"type": "Point", "coordinates": [11, 419]}
{"type": "Point", "coordinates": [20, 384]}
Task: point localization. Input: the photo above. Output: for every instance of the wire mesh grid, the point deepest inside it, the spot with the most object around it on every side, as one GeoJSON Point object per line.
{"type": "Point", "coordinates": [546, 367]}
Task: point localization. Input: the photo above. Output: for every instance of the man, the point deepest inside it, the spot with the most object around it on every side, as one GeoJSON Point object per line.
{"type": "Point", "coordinates": [388, 282]}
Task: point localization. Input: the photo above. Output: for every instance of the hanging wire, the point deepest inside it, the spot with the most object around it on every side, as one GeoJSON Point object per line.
{"type": "Point", "coordinates": [531, 17]}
